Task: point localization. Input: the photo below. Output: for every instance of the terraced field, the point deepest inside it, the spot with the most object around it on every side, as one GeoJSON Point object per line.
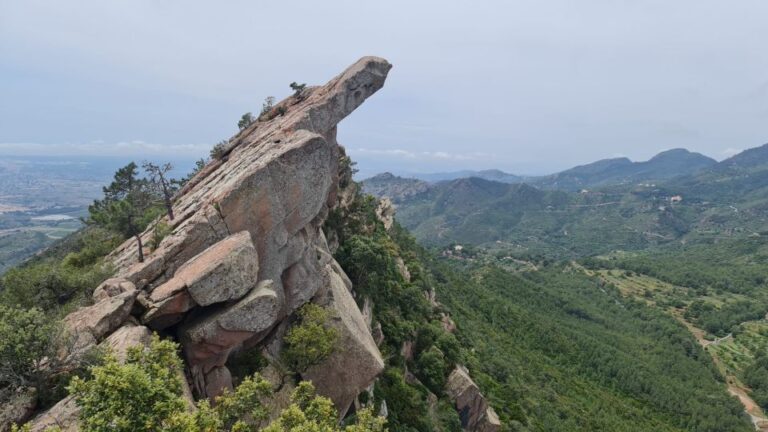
{"type": "Point", "coordinates": [732, 354]}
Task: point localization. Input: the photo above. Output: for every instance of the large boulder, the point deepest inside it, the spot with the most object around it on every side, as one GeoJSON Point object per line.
{"type": "Point", "coordinates": [225, 271]}
{"type": "Point", "coordinates": [356, 361]}
{"type": "Point", "coordinates": [208, 340]}
{"type": "Point", "coordinates": [89, 325]}
{"type": "Point", "coordinates": [475, 413]}
{"type": "Point", "coordinates": [111, 288]}
{"type": "Point", "coordinates": [65, 415]}
{"type": "Point", "coordinates": [126, 337]}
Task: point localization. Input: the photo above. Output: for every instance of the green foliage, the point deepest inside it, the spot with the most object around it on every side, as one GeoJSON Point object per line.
{"type": "Point", "coordinates": [311, 413]}
{"type": "Point", "coordinates": [28, 428]}
{"type": "Point", "coordinates": [141, 395]}
{"type": "Point", "coordinates": [266, 107]}
{"type": "Point", "coordinates": [163, 186]}
{"type": "Point", "coordinates": [159, 232]}
{"type": "Point", "coordinates": [50, 284]}
{"type": "Point", "coordinates": [556, 350]}
{"type": "Point", "coordinates": [432, 369]}
{"type": "Point", "coordinates": [406, 404]}
{"type": "Point", "coordinates": [370, 256]}
{"type": "Point", "coordinates": [94, 243]}
{"type": "Point", "coordinates": [311, 339]}
{"type": "Point", "coordinates": [217, 152]}
{"type": "Point", "coordinates": [245, 121]}
{"type": "Point", "coordinates": [33, 355]}
{"type": "Point", "coordinates": [27, 339]}
{"type": "Point", "coordinates": [721, 321]}
{"type": "Point", "coordinates": [735, 266]}
{"type": "Point", "coordinates": [129, 205]}
{"type": "Point", "coordinates": [144, 394]}
{"type": "Point", "coordinates": [298, 89]}
{"type": "Point", "coordinates": [243, 409]}
{"type": "Point", "coordinates": [756, 377]}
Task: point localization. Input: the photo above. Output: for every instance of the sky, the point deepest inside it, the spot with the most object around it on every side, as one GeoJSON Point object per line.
{"type": "Point", "coordinates": [530, 87]}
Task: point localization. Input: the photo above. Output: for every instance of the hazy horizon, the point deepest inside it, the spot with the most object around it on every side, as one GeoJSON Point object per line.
{"type": "Point", "coordinates": [528, 87]}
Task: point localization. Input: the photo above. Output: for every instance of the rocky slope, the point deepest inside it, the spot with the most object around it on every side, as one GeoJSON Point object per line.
{"type": "Point", "coordinates": [247, 250]}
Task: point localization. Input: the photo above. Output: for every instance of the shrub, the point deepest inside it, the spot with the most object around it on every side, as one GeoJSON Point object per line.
{"type": "Point", "coordinates": [49, 284]}
{"type": "Point", "coordinates": [217, 152]}
{"type": "Point", "coordinates": [141, 395]}
{"type": "Point", "coordinates": [309, 412]}
{"type": "Point", "coordinates": [159, 232]}
{"type": "Point", "coordinates": [310, 340]}
{"type": "Point", "coordinates": [26, 341]}
{"type": "Point", "coordinates": [245, 121]}
{"type": "Point", "coordinates": [298, 89]}
{"type": "Point", "coordinates": [431, 369]}
{"type": "Point", "coordinates": [95, 243]}
{"type": "Point", "coordinates": [267, 106]}
{"type": "Point", "coordinates": [144, 394]}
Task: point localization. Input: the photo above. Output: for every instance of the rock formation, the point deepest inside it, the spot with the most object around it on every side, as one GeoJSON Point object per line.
{"type": "Point", "coordinates": [246, 250]}
{"type": "Point", "coordinates": [474, 411]}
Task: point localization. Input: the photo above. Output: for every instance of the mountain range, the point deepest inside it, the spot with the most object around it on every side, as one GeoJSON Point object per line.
{"type": "Point", "coordinates": [665, 165]}
{"type": "Point", "coordinates": [676, 195]}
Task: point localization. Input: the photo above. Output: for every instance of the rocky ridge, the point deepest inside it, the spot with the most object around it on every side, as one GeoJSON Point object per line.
{"type": "Point", "coordinates": [245, 252]}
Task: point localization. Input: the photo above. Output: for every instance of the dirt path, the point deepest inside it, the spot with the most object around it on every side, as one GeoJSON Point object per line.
{"type": "Point", "coordinates": [735, 387]}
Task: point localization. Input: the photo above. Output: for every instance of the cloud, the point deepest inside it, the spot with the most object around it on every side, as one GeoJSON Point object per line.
{"type": "Point", "coordinates": [100, 148]}
{"type": "Point", "coordinates": [730, 151]}
{"type": "Point", "coordinates": [423, 155]}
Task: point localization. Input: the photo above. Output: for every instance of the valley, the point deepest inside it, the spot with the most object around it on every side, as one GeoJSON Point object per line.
{"type": "Point", "coordinates": [731, 353]}
{"type": "Point", "coordinates": [691, 246]}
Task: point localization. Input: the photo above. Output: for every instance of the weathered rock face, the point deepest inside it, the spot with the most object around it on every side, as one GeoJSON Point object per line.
{"type": "Point", "coordinates": [246, 250]}
{"type": "Point", "coordinates": [208, 340]}
{"type": "Point", "coordinates": [356, 361]}
{"type": "Point", "coordinates": [64, 415]}
{"type": "Point", "coordinates": [475, 413]}
{"type": "Point", "coordinates": [89, 325]}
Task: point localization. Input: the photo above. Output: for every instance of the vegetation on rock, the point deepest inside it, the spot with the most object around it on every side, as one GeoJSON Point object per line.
{"type": "Point", "coordinates": [310, 340]}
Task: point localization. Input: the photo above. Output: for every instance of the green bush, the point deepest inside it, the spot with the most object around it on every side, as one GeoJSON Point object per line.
{"type": "Point", "coordinates": [159, 232]}
{"type": "Point", "coordinates": [217, 152]}
{"type": "Point", "coordinates": [145, 394]}
{"type": "Point", "coordinates": [94, 244]}
{"type": "Point", "coordinates": [49, 284]}
{"type": "Point", "coordinates": [26, 341]}
{"type": "Point", "coordinates": [431, 369]}
{"type": "Point", "coordinates": [245, 121]}
{"type": "Point", "coordinates": [311, 339]}
{"type": "Point", "coordinates": [141, 395]}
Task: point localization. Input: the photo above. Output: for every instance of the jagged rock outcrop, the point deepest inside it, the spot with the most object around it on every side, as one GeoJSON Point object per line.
{"type": "Point", "coordinates": [475, 413]}
{"type": "Point", "coordinates": [385, 211]}
{"type": "Point", "coordinates": [357, 360]}
{"type": "Point", "coordinates": [246, 250]}
{"type": "Point", "coordinates": [89, 325]}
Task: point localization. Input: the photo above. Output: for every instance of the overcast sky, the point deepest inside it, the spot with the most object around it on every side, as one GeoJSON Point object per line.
{"type": "Point", "coordinates": [526, 86]}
